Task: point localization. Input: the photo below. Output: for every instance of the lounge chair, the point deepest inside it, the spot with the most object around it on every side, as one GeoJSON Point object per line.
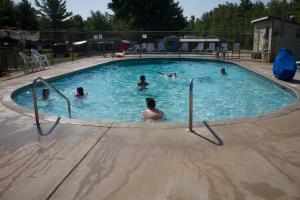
{"type": "Point", "coordinates": [200, 47]}
{"type": "Point", "coordinates": [224, 46]}
{"type": "Point", "coordinates": [120, 54]}
{"type": "Point", "coordinates": [41, 59]}
{"type": "Point", "coordinates": [136, 47]}
{"type": "Point", "coordinates": [236, 49]}
{"type": "Point", "coordinates": [28, 61]}
{"type": "Point", "coordinates": [185, 47]}
{"type": "Point", "coordinates": [150, 47]}
{"type": "Point", "coordinates": [211, 47]}
{"type": "Point", "coordinates": [223, 50]}
{"type": "Point", "coordinates": [144, 47]}
{"type": "Point", "coordinates": [161, 46]}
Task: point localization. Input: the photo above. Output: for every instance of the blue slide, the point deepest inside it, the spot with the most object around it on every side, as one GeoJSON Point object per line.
{"type": "Point", "coordinates": [285, 66]}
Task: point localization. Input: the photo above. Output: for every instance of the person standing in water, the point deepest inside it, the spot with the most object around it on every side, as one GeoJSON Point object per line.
{"type": "Point", "coordinates": [80, 92]}
{"type": "Point", "coordinates": [152, 113]}
{"type": "Point", "coordinates": [142, 84]}
{"type": "Point", "coordinates": [222, 71]}
{"type": "Point", "coordinates": [45, 94]}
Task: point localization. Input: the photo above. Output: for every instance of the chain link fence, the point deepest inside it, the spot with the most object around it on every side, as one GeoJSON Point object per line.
{"type": "Point", "coordinates": [69, 46]}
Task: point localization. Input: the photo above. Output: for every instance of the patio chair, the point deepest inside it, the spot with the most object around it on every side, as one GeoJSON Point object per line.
{"type": "Point", "coordinates": [200, 47]}
{"type": "Point", "coordinates": [161, 46]}
{"type": "Point", "coordinates": [150, 47]}
{"type": "Point", "coordinates": [41, 59]}
{"type": "Point", "coordinates": [211, 47]}
{"type": "Point", "coordinates": [184, 47]}
{"type": "Point", "coordinates": [120, 54]}
{"type": "Point", "coordinates": [136, 47]}
{"type": "Point", "coordinates": [224, 46]}
{"type": "Point", "coordinates": [236, 49]}
{"type": "Point", "coordinates": [28, 61]}
{"type": "Point", "coordinates": [223, 50]}
{"type": "Point", "coordinates": [144, 47]}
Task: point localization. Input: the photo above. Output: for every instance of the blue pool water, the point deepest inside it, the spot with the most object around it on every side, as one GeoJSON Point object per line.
{"type": "Point", "coordinates": [113, 94]}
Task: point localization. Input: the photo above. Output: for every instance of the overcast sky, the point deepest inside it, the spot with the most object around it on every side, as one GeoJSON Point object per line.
{"type": "Point", "coordinates": [190, 7]}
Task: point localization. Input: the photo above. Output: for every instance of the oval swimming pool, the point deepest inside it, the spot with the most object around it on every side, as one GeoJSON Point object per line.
{"type": "Point", "coordinates": [113, 94]}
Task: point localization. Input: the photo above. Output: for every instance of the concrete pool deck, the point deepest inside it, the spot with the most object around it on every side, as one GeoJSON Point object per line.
{"type": "Point", "coordinates": [253, 158]}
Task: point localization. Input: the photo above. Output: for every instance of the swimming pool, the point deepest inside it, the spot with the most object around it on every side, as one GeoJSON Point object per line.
{"type": "Point", "coordinates": [113, 94]}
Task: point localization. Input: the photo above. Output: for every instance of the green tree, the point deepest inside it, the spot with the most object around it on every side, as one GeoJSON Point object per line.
{"type": "Point", "coordinates": [259, 10]}
{"type": "Point", "coordinates": [150, 15]}
{"type": "Point", "coordinates": [27, 17]}
{"type": "Point", "coordinates": [7, 13]}
{"type": "Point", "coordinates": [295, 9]}
{"type": "Point", "coordinates": [76, 23]}
{"type": "Point", "coordinates": [278, 8]}
{"type": "Point", "coordinates": [97, 21]}
{"type": "Point", "coordinates": [54, 12]}
{"type": "Point", "coordinates": [117, 24]}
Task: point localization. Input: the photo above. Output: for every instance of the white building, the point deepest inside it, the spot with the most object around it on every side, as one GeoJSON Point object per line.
{"type": "Point", "coordinates": [271, 34]}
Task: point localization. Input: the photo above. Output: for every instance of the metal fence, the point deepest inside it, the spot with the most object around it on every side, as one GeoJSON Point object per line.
{"type": "Point", "coordinates": [69, 46]}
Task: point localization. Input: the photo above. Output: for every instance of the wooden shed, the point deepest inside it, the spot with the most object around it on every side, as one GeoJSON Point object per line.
{"type": "Point", "coordinates": [271, 34]}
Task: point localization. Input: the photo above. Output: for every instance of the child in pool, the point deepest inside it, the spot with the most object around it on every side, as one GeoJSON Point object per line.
{"type": "Point", "coordinates": [222, 71]}
{"type": "Point", "coordinates": [45, 94]}
{"type": "Point", "coordinates": [80, 92]}
{"type": "Point", "coordinates": [142, 84]}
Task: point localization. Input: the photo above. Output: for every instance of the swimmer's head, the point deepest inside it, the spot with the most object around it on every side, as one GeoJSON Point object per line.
{"type": "Point", "coordinates": [45, 93]}
{"type": "Point", "coordinates": [150, 103]}
{"type": "Point", "coordinates": [222, 70]}
{"type": "Point", "coordinates": [80, 91]}
{"type": "Point", "coordinates": [142, 78]}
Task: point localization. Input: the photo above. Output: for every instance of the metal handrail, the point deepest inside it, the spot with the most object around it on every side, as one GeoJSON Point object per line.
{"type": "Point", "coordinates": [36, 113]}
{"type": "Point", "coordinates": [191, 85]}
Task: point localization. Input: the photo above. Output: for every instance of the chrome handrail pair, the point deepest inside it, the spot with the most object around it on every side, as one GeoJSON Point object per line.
{"type": "Point", "coordinates": [36, 113]}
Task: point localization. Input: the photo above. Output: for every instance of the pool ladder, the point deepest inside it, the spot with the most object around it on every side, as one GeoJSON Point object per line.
{"type": "Point", "coordinates": [36, 112]}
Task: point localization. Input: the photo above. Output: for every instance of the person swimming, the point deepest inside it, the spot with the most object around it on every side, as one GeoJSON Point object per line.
{"type": "Point", "coordinates": [80, 92]}
{"type": "Point", "coordinates": [142, 84]}
{"type": "Point", "coordinates": [223, 71]}
{"type": "Point", "coordinates": [170, 75]}
{"type": "Point", "coordinates": [204, 78]}
{"type": "Point", "coordinates": [152, 113]}
{"type": "Point", "coordinates": [45, 94]}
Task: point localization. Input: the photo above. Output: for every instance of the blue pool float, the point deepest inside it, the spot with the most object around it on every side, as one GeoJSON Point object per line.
{"type": "Point", "coordinates": [285, 66]}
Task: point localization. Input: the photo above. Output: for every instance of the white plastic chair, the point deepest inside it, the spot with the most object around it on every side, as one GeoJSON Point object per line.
{"type": "Point", "coordinates": [184, 47]}
{"type": "Point", "coordinates": [211, 47]}
{"type": "Point", "coordinates": [224, 46]}
{"type": "Point", "coordinates": [236, 48]}
{"type": "Point", "coordinates": [161, 46]}
{"type": "Point", "coordinates": [136, 47]}
{"type": "Point", "coordinates": [120, 54]}
{"type": "Point", "coordinates": [41, 59]}
{"type": "Point", "coordinates": [144, 46]}
{"type": "Point", "coordinates": [150, 47]}
{"type": "Point", "coordinates": [200, 47]}
{"type": "Point", "coordinates": [28, 61]}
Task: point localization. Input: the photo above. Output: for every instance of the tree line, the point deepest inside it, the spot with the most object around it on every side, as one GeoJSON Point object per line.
{"type": "Point", "coordinates": [144, 15]}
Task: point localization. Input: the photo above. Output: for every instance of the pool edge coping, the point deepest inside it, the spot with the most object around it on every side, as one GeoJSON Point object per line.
{"type": "Point", "coordinates": [8, 102]}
